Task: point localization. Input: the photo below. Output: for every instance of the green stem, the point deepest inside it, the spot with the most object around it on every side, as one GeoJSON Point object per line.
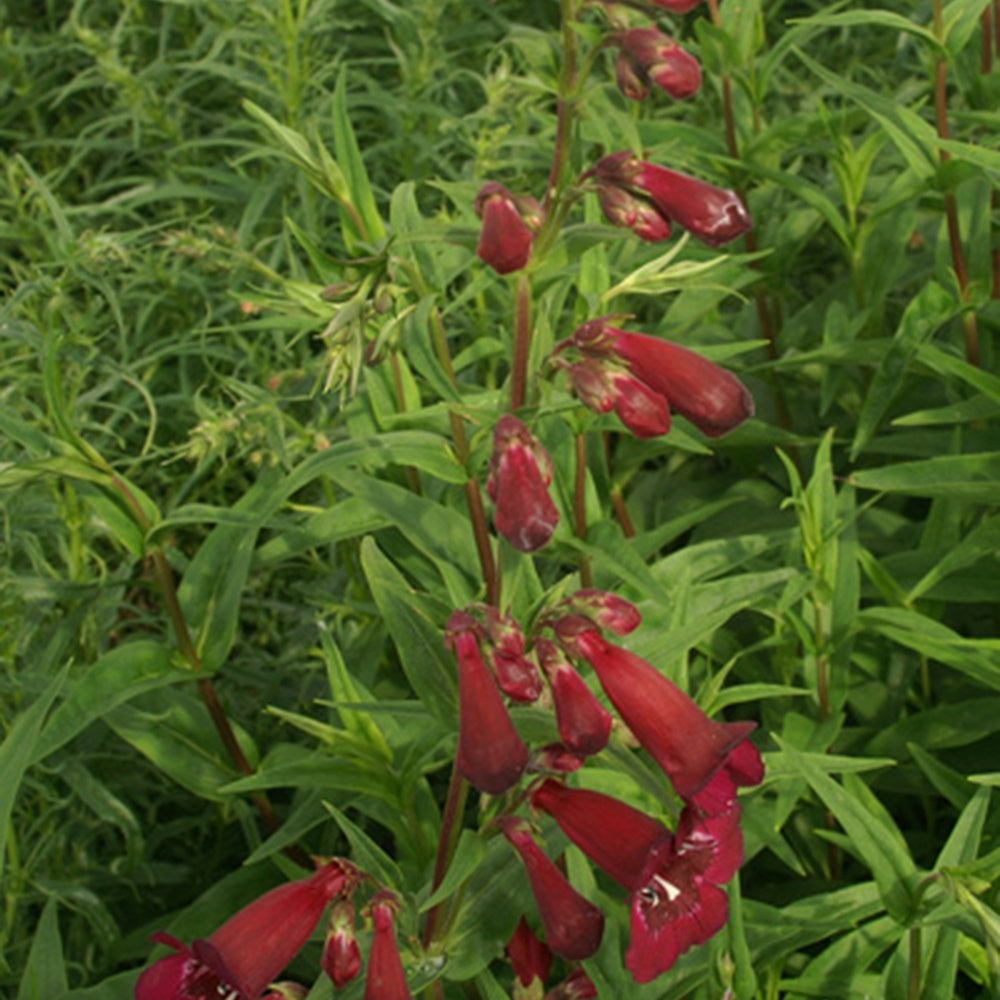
{"type": "Point", "coordinates": [913, 987]}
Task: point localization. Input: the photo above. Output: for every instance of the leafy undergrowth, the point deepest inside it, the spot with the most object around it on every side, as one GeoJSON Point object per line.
{"type": "Point", "coordinates": [231, 234]}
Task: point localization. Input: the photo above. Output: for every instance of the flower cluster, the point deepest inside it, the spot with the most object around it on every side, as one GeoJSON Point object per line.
{"type": "Point", "coordinates": [243, 958]}
{"type": "Point", "coordinates": [672, 876]}
{"type": "Point", "coordinates": [644, 378]}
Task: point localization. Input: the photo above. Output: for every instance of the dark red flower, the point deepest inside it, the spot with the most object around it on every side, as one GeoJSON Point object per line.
{"type": "Point", "coordinates": [648, 55]}
{"type": "Point", "coordinates": [491, 754]}
{"type": "Point", "coordinates": [248, 951]}
{"type": "Point", "coordinates": [743, 767]}
{"type": "Point", "coordinates": [672, 878]}
{"type": "Point", "coordinates": [341, 959]}
{"type": "Point", "coordinates": [556, 757]}
{"type": "Point", "coordinates": [713, 399]}
{"type": "Point", "coordinates": [624, 209]}
{"type": "Point", "coordinates": [386, 978]}
{"type": "Point", "coordinates": [672, 910]}
{"type": "Point", "coordinates": [530, 957]}
{"type": "Point", "coordinates": [712, 214]}
{"type": "Point", "coordinates": [518, 483]}
{"type": "Point", "coordinates": [684, 741]}
{"type": "Point", "coordinates": [584, 723]}
{"type": "Point", "coordinates": [509, 224]}
{"type": "Point", "coordinates": [573, 925]}
{"type": "Point", "coordinates": [576, 986]}
{"type": "Point", "coordinates": [604, 386]}
{"type": "Point", "coordinates": [616, 837]}
{"type": "Point", "coordinates": [606, 609]}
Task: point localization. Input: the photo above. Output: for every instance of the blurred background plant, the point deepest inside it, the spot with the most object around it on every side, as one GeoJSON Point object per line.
{"type": "Point", "coordinates": [213, 214]}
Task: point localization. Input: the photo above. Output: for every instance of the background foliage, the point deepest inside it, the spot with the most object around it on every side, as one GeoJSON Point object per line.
{"type": "Point", "coordinates": [174, 176]}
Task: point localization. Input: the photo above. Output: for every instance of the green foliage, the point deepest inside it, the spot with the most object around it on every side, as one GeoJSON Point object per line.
{"type": "Point", "coordinates": [234, 239]}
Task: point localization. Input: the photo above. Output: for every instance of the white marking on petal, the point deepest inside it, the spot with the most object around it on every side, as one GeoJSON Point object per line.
{"type": "Point", "coordinates": [668, 887]}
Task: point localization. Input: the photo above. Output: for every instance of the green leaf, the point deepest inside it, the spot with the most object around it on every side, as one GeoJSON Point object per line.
{"type": "Point", "coordinates": [358, 186]}
{"type": "Point", "coordinates": [212, 589]}
{"type": "Point", "coordinates": [876, 18]}
{"type": "Point", "coordinates": [344, 691]}
{"type": "Point", "coordinates": [120, 675]}
{"type": "Point", "coordinates": [365, 852]}
{"type": "Point", "coordinates": [175, 733]}
{"type": "Point", "coordinates": [982, 540]}
{"type": "Point", "coordinates": [44, 976]}
{"type": "Point", "coordinates": [17, 752]}
{"type": "Point", "coordinates": [418, 638]}
{"type": "Point", "coordinates": [978, 658]}
{"type": "Point", "coordinates": [915, 139]}
{"type": "Point", "coordinates": [966, 477]}
{"type": "Point", "coordinates": [467, 857]}
{"type": "Point", "coordinates": [876, 838]}
{"type": "Point", "coordinates": [930, 309]}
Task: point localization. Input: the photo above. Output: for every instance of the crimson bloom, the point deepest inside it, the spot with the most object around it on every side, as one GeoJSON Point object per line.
{"type": "Point", "coordinates": [573, 925]}
{"type": "Point", "coordinates": [615, 836]}
{"type": "Point", "coordinates": [713, 399]}
{"type": "Point", "coordinates": [516, 674]}
{"type": "Point", "coordinates": [624, 209]}
{"type": "Point", "coordinates": [584, 723]}
{"type": "Point", "coordinates": [603, 387]}
{"type": "Point", "coordinates": [684, 741]}
{"type": "Point", "coordinates": [673, 878]}
{"type": "Point", "coordinates": [491, 754]}
{"type": "Point", "coordinates": [251, 948]}
{"type": "Point", "coordinates": [509, 224]}
{"type": "Point", "coordinates": [576, 986]}
{"type": "Point", "coordinates": [341, 959]}
{"type": "Point", "coordinates": [712, 214]}
{"type": "Point", "coordinates": [606, 609]}
{"type": "Point", "coordinates": [518, 483]}
{"type": "Point", "coordinates": [530, 956]}
{"type": "Point", "coordinates": [386, 978]}
{"type": "Point", "coordinates": [647, 55]}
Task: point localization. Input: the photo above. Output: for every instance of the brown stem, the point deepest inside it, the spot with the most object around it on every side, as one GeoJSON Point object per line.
{"type": "Point", "coordinates": [580, 506]}
{"type": "Point", "coordinates": [969, 323]}
{"type": "Point", "coordinates": [522, 344]}
{"type": "Point", "coordinates": [458, 792]}
{"type": "Point", "coordinates": [621, 512]}
{"type": "Point", "coordinates": [206, 690]}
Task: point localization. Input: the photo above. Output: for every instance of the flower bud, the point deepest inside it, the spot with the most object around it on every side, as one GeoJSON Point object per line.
{"type": "Point", "coordinates": [506, 238]}
{"type": "Point", "coordinates": [518, 483]}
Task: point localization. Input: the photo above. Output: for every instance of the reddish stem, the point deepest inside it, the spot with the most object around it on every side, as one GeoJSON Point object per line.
{"type": "Point", "coordinates": [580, 506]}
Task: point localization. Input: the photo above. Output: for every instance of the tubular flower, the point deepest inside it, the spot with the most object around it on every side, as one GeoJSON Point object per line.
{"type": "Point", "coordinates": [519, 478]}
{"type": "Point", "coordinates": [584, 723]}
{"type": "Point", "coordinates": [341, 959]}
{"type": "Point", "coordinates": [606, 609]}
{"type": "Point", "coordinates": [712, 214]}
{"type": "Point", "coordinates": [647, 55]}
{"type": "Point", "coordinates": [248, 951]}
{"type": "Point", "coordinates": [713, 399]}
{"type": "Point", "coordinates": [684, 741]}
{"type": "Point", "coordinates": [576, 986]}
{"type": "Point", "coordinates": [491, 754]}
{"type": "Point", "coordinates": [386, 979]}
{"type": "Point", "coordinates": [516, 674]}
{"type": "Point", "coordinates": [603, 387]}
{"type": "Point", "coordinates": [509, 224]}
{"type": "Point", "coordinates": [621, 208]}
{"type": "Point", "coordinates": [573, 925]}
{"type": "Point", "coordinates": [743, 767]}
{"type": "Point", "coordinates": [616, 837]}
{"type": "Point", "coordinates": [673, 878]}
{"type": "Point", "coordinates": [530, 957]}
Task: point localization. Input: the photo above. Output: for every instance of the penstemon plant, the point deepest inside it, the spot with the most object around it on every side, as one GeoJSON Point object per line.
{"type": "Point", "coordinates": [529, 633]}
